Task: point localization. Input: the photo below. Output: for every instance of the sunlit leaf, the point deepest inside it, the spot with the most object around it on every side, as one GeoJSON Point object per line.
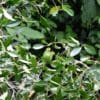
{"type": "Point", "coordinates": [54, 10]}
{"type": "Point", "coordinates": [97, 86]}
{"type": "Point", "coordinates": [3, 96]}
{"type": "Point", "coordinates": [24, 61]}
{"type": "Point", "coordinates": [10, 48]}
{"type": "Point", "coordinates": [75, 41]}
{"type": "Point", "coordinates": [38, 46]}
{"type": "Point", "coordinates": [26, 69]}
{"type": "Point", "coordinates": [75, 51]}
{"type": "Point", "coordinates": [7, 15]}
{"type": "Point", "coordinates": [12, 54]}
{"type": "Point", "coordinates": [84, 58]}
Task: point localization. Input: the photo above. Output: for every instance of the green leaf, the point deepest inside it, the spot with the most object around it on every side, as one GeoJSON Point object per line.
{"type": "Point", "coordinates": [97, 46]}
{"type": "Point", "coordinates": [26, 32]}
{"type": "Point", "coordinates": [14, 24]}
{"type": "Point", "coordinates": [1, 15]}
{"type": "Point", "coordinates": [39, 86]}
{"type": "Point", "coordinates": [11, 31]}
{"type": "Point", "coordinates": [75, 51]}
{"type": "Point", "coordinates": [54, 10]}
{"type": "Point", "coordinates": [59, 36]}
{"type": "Point", "coordinates": [31, 34]}
{"type": "Point", "coordinates": [94, 73]}
{"type": "Point", "coordinates": [68, 10]}
{"type": "Point", "coordinates": [33, 60]}
{"type": "Point", "coordinates": [75, 41]}
{"type": "Point", "coordinates": [21, 38]}
{"type": "Point", "coordinates": [59, 95]}
{"type": "Point", "coordinates": [47, 22]}
{"type": "Point", "coordinates": [90, 49]}
{"type": "Point", "coordinates": [89, 15]}
{"type": "Point", "coordinates": [48, 55]}
{"type": "Point", "coordinates": [44, 21]}
{"type": "Point", "coordinates": [99, 20]}
{"type": "Point", "coordinates": [98, 1]}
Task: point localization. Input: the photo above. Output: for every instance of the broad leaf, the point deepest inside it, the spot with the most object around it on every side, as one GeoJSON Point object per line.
{"type": "Point", "coordinates": [32, 34]}
{"type": "Point", "coordinates": [40, 86]}
{"type": "Point", "coordinates": [90, 49]}
{"type": "Point", "coordinates": [14, 24]}
{"type": "Point", "coordinates": [89, 12]}
{"type": "Point", "coordinates": [11, 54]}
{"type": "Point", "coordinates": [7, 15]}
{"type": "Point", "coordinates": [75, 51]}
{"type": "Point", "coordinates": [68, 10]}
{"type": "Point", "coordinates": [26, 32]}
{"type": "Point", "coordinates": [54, 10]}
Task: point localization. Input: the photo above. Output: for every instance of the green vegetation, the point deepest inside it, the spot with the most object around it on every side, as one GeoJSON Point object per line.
{"type": "Point", "coordinates": [50, 50]}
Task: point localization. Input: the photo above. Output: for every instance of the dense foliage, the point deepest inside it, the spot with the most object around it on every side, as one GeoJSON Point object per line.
{"type": "Point", "coordinates": [49, 50]}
